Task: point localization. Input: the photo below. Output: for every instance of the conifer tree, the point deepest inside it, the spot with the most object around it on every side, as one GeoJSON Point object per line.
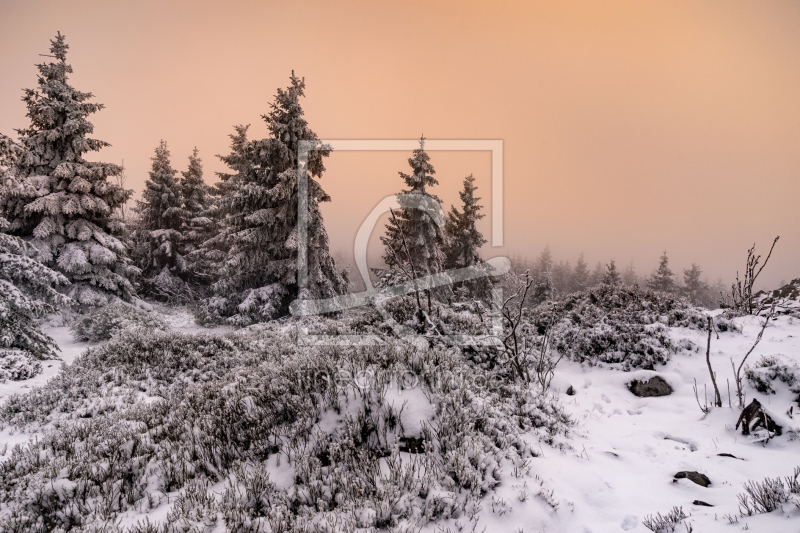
{"type": "Point", "coordinates": [694, 288]}
{"type": "Point", "coordinates": [259, 274]}
{"type": "Point", "coordinates": [544, 263]}
{"type": "Point", "coordinates": [27, 292]}
{"type": "Point", "coordinates": [661, 280]}
{"type": "Point", "coordinates": [629, 277]}
{"type": "Point", "coordinates": [580, 278]}
{"type": "Point", "coordinates": [562, 277]}
{"type": "Point", "coordinates": [413, 240]}
{"type": "Point", "coordinates": [198, 222]}
{"type": "Point", "coordinates": [612, 276]}
{"type": "Point", "coordinates": [64, 204]}
{"type": "Point", "coordinates": [597, 275]}
{"type": "Point", "coordinates": [463, 238]}
{"type": "Point", "coordinates": [161, 221]}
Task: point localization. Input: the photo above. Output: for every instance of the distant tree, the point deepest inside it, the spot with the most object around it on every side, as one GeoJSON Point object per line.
{"type": "Point", "coordinates": [562, 278]}
{"type": "Point", "coordinates": [544, 263]}
{"type": "Point", "coordinates": [694, 288]}
{"type": "Point", "coordinates": [463, 242]}
{"type": "Point", "coordinates": [598, 274]}
{"type": "Point", "coordinates": [629, 276]}
{"type": "Point", "coordinates": [413, 229]}
{"type": "Point", "coordinates": [259, 276]}
{"type": "Point", "coordinates": [543, 288]}
{"type": "Point", "coordinates": [580, 278]}
{"type": "Point", "coordinates": [661, 279]}
{"type": "Point", "coordinates": [612, 275]}
{"type": "Point", "coordinates": [64, 205]}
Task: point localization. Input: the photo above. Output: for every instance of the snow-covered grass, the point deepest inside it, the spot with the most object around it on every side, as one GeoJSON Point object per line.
{"type": "Point", "coordinates": [224, 430]}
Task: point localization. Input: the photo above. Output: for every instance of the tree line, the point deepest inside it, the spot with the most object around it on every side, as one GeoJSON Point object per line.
{"type": "Point", "coordinates": [232, 246]}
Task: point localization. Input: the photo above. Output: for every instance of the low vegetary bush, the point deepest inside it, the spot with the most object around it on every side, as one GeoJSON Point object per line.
{"type": "Point", "coordinates": [153, 413]}
{"type": "Point", "coordinates": [17, 365]}
{"type": "Point", "coordinates": [668, 522]}
{"type": "Point", "coordinates": [105, 322]}
{"type": "Point", "coordinates": [769, 369]}
{"type": "Point", "coordinates": [618, 324]}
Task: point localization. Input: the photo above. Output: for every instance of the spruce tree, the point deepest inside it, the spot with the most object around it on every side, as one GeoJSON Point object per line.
{"type": "Point", "coordinates": [661, 280]}
{"type": "Point", "coordinates": [27, 292]}
{"type": "Point", "coordinates": [629, 277]}
{"type": "Point", "coordinates": [562, 277]}
{"type": "Point", "coordinates": [161, 221]}
{"type": "Point", "coordinates": [259, 275]}
{"type": "Point", "coordinates": [580, 278]}
{"type": "Point", "coordinates": [694, 288]}
{"type": "Point", "coordinates": [413, 240]}
{"type": "Point", "coordinates": [597, 275]}
{"type": "Point", "coordinates": [64, 205]}
{"type": "Point", "coordinates": [612, 276]}
{"type": "Point", "coordinates": [198, 222]}
{"type": "Point", "coordinates": [544, 263]}
{"type": "Point", "coordinates": [463, 240]}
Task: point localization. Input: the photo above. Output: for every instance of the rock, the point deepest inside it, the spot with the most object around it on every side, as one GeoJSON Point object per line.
{"type": "Point", "coordinates": [655, 386]}
{"type": "Point", "coordinates": [412, 445]}
{"type": "Point", "coordinates": [696, 477]}
{"type": "Point", "coordinates": [701, 502]}
{"type": "Point", "coordinates": [753, 416]}
{"type": "Point", "coordinates": [571, 391]}
{"type": "Point", "coordinates": [727, 455]}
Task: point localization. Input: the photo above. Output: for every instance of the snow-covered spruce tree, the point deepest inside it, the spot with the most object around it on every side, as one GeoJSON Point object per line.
{"type": "Point", "coordinates": [464, 241]}
{"type": "Point", "coordinates": [161, 220]}
{"type": "Point", "coordinates": [64, 204]}
{"type": "Point", "coordinates": [694, 288]}
{"type": "Point", "coordinates": [629, 277]}
{"type": "Point", "coordinates": [661, 280]}
{"type": "Point", "coordinates": [413, 241]}
{"type": "Point", "coordinates": [612, 276]}
{"type": "Point", "coordinates": [27, 292]}
{"type": "Point", "coordinates": [199, 223]}
{"type": "Point", "coordinates": [580, 278]}
{"type": "Point", "coordinates": [597, 275]}
{"type": "Point", "coordinates": [259, 274]}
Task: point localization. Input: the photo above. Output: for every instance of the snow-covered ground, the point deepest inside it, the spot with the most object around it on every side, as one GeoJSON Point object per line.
{"type": "Point", "coordinates": [624, 451]}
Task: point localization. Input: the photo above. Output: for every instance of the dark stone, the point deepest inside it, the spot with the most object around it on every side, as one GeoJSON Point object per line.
{"type": "Point", "coordinates": [570, 391]}
{"type": "Point", "coordinates": [412, 445]}
{"type": "Point", "coordinates": [655, 386]}
{"type": "Point", "coordinates": [701, 502]}
{"type": "Point", "coordinates": [696, 477]}
{"type": "Point", "coordinates": [753, 416]}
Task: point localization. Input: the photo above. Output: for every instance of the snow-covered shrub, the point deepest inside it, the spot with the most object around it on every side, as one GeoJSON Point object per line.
{"type": "Point", "coordinates": [165, 411]}
{"type": "Point", "coordinates": [105, 322]}
{"type": "Point", "coordinates": [663, 524]}
{"type": "Point", "coordinates": [17, 365]}
{"type": "Point", "coordinates": [767, 370]}
{"type": "Point", "coordinates": [616, 324]}
{"type": "Point", "coordinates": [762, 496]}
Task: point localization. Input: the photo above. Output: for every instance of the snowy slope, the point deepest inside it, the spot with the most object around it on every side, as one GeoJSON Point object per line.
{"type": "Point", "coordinates": [623, 451]}
{"type": "Point", "coordinates": [626, 449]}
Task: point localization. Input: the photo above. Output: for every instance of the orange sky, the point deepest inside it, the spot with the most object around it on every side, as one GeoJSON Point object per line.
{"type": "Point", "coordinates": [629, 128]}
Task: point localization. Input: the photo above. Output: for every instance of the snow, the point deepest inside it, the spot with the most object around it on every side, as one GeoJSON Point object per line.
{"type": "Point", "coordinates": [627, 449]}
{"type": "Point", "coordinates": [624, 450]}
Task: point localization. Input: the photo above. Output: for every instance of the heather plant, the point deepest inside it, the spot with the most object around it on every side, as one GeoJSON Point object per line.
{"type": "Point", "coordinates": [105, 322]}
{"type": "Point", "coordinates": [218, 406]}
